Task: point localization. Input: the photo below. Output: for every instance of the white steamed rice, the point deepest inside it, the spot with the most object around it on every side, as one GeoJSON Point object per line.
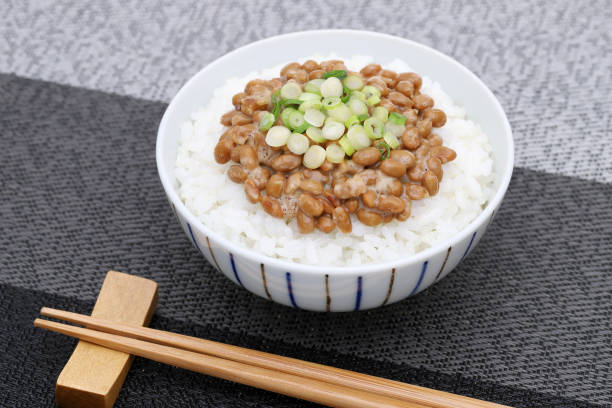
{"type": "Point", "coordinates": [221, 204]}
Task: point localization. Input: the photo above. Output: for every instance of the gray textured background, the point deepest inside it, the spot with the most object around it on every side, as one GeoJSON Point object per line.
{"type": "Point", "coordinates": [549, 63]}
{"type": "Point", "coordinates": [81, 195]}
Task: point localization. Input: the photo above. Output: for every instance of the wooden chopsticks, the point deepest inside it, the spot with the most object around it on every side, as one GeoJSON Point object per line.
{"type": "Point", "coordinates": [296, 378]}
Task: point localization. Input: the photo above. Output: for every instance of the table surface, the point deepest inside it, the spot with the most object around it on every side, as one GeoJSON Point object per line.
{"type": "Point", "coordinates": [524, 320]}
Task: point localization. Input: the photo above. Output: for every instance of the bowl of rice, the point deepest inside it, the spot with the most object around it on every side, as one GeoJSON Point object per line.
{"type": "Point", "coordinates": [369, 266]}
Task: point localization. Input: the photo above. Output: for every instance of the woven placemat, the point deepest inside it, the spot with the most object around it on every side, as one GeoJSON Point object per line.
{"type": "Point", "coordinates": [524, 320]}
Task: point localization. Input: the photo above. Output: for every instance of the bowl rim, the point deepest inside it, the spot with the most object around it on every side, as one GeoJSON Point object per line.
{"type": "Point", "coordinates": [400, 261]}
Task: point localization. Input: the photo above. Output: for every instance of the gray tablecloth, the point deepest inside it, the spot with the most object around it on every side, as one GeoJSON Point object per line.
{"type": "Point", "coordinates": [524, 320]}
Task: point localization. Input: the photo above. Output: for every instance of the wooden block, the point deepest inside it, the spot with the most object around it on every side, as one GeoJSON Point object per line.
{"type": "Point", "coordinates": [94, 375]}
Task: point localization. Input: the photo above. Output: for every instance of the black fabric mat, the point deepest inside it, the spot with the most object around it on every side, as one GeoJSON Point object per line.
{"type": "Point", "coordinates": [528, 312]}
{"type": "Point", "coordinates": [36, 357]}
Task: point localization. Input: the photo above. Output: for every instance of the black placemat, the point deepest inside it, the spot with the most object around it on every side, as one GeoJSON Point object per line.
{"type": "Point", "coordinates": [525, 320]}
{"type": "Point", "coordinates": [150, 384]}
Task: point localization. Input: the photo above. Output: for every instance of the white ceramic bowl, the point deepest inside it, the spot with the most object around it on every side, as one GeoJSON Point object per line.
{"type": "Point", "coordinates": [336, 289]}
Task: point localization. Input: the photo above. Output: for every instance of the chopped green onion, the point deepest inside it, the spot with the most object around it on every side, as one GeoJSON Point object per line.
{"type": "Point", "coordinates": [374, 127]}
{"type": "Point", "coordinates": [362, 117]}
{"type": "Point", "coordinates": [311, 104]}
{"type": "Point", "coordinates": [346, 94]}
{"type": "Point", "coordinates": [276, 102]}
{"type": "Point", "coordinates": [329, 119]}
{"type": "Point", "coordinates": [331, 102]}
{"type": "Point", "coordinates": [297, 143]}
{"type": "Point", "coordinates": [353, 82]}
{"type": "Point", "coordinates": [346, 146]}
{"type": "Point", "coordinates": [353, 120]}
{"type": "Point", "coordinates": [277, 136]}
{"type": "Point", "coordinates": [331, 87]}
{"type": "Point", "coordinates": [341, 113]}
{"type": "Point", "coordinates": [384, 150]}
{"type": "Point", "coordinates": [302, 128]}
{"type": "Point", "coordinates": [373, 100]}
{"type": "Point", "coordinates": [358, 107]}
{"type": "Point", "coordinates": [337, 73]}
{"type": "Point", "coordinates": [397, 118]}
{"type": "Point", "coordinates": [315, 134]}
{"type": "Point", "coordinates": [296, 120]}
{"type": "Point", "coordinates": [314, 157]}
{"type": "Point", "coordinates": [335, 153]}
{"type": "Point", "coordinates": [358, 137]}
{"type": "Point", "coordinates": [285, 116]}
{"type": "Point", "coordinates": [287, 102]}
{"type": "Point", "coordinates": [308, 96]}
{"type": "Point", "coordinates": [358, 95]}
{"type": "Point", "coordinates": [314, 86]}
{"type": "Point", "coordinates": [391, 140]}
{"type": "Point", "coordinates": [266, 121]}
{"type": "Point", "coordinates": [332, 130]}
{"type": "Point", "coordinates": [291, 90]}
{"type": "Point", "coordinates": [381, 113]}
{"type": "Point", "coordinates": [314, 117]}
{"type": "Point", "coordinates": [369, 91]}
{"type": "Point", "coordinates": [395, 129]}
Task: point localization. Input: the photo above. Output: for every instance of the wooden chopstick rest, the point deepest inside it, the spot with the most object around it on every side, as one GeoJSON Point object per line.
{"type": "Point", "coordinates": [93, 375]}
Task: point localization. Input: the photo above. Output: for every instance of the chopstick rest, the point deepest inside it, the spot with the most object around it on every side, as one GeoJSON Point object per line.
{"type": "Point", "coordinates": [93, 375]}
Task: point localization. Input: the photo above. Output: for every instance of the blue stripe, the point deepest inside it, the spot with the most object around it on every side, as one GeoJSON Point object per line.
{"type": "Point", "coordinates": [290, 289]}
{"type": "Point", "coordinates": [358, 300]}
{"type": "Point", "coordinates": [235, 270]}
{"type": "Point", "coordinates": [469, 246]}
{"type": "Point", "coordinates": [193, 237]}
{"type": "Point", "coordinates": [423, 269]}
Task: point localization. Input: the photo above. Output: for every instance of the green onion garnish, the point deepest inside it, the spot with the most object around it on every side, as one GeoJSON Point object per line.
{"type": "Point", "coordinates": [346, 94]}
{"type": "Point", "coordinates": [296, 121]}
{"type": "Point", "coordinates": [302, 128]}
{"type": "Point", "coordinates": [369, 91]}
{"type": "Point", "coordinates": [358, 137]}
{"type": "Point", "coordinates": [311, 104]}
{"type": "Point", "coordinates": [276, 102]}
{"type": "Point", "coordinates": [380, 113]}
{"type": "Point", "coordinates": [308, 96]}
{"type": "Point", "coordinates": [291, 90]}
{"type": "Point", "coordinates": [391, 140]}
{"type": "Point", "coordinates": [340, 113]}
{"type": "Point", "coordinates": [331, 102]}
{"type": "Point", "coordinates": [297, 143]}
{"type": "Point", "coordinates": [338, 73]}
{"type": "Point", "coordinates": [314, 86]}
{"type": "Point", "coordinates": [266, 121]}
{"type": "Point", "coordinates": [346, 145]}
{"type": "Point", "coordinates": [397, 118]}
{"type": "Point", "coordinates": [334, 153]}
{"type": "Point", "coordinates": [285, 116]}
{"type": "Point", "coordinates": [373, 100]}
{"type": "Point", "coordinates": [314, 117]}
{"type": "Point", "coordinates": [374, 128]}
{"type": "Point", "coordinates": [384, 150]}
{"type": "Point", "coordinates": [287, 102]}
{"type": "Point", "coordinates": [362, 117]}
{"type": "Point", "coordinates": [315, 134]}
{"type": "Point", "coordinates": [358, 95]}
{"type": "Point", "coordinates": [357, 107]}
{"type": "Point", "coordinates": [353, 82]}
{"type": "Point", "coordinates": [353, 120]}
